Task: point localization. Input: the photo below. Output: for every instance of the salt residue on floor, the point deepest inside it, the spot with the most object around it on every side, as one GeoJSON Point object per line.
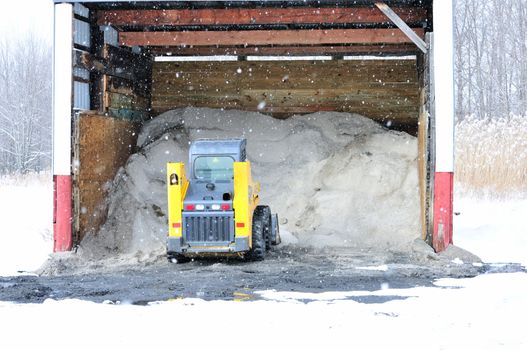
{"type": "Point", "coordinates": [334, 179]}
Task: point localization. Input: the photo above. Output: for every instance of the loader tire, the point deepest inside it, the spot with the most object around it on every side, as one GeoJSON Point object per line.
{"type": "Point", "coordinates": [267, 226]}
{"type": "Point", "coordinates": [257, 251]}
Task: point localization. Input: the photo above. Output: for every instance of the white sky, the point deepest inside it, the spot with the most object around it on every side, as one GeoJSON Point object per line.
{"type": "Point", "coordinates": [19, 17]}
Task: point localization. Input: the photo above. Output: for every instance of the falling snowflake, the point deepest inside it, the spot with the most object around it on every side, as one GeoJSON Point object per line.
{"type": "Point", "coordinates": [261, 105]}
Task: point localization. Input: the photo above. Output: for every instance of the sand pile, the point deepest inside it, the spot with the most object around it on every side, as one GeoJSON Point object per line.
{"type": "Point", "coordinates": [335, 179]}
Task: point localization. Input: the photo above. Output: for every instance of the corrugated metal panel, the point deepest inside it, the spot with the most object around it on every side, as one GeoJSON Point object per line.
{"type": "Point", "coordinates": [81, 33]}
{"type": "Point", "coordinates": [81, 10]}
{"type": "Point", "coordinates": [81, 73]}
{"type": "Point", "coordinates": [81, 96]}
{"type": "Point", "coordinates": [111, 36]}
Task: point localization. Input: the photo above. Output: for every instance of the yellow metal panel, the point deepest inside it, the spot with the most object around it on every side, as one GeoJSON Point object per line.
{"type": "Point", "coordinates": [242, 173]}
{"type": "Point", "coordinates": [176, 195]}
{"type": "Point", "coordinates": [245, 199]}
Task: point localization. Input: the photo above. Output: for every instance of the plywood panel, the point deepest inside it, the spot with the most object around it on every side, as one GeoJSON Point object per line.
{"type": "Point", "coordinates": [104, 145]}
{"type": "Point", "coordinates": [379, 89]}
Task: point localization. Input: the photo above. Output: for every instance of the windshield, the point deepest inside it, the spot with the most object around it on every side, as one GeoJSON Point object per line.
{"type": "Point", "coordinates": [212, 168]}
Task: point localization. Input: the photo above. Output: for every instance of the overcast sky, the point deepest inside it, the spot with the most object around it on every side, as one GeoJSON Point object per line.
{"type": "Point", "coordinates": [18, 17]}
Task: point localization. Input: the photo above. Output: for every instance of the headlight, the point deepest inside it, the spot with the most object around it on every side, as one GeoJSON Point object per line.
{"type": "Point", "coordinates": [215, 207]}
{"type": "Point", "coordinates": [200, 207]}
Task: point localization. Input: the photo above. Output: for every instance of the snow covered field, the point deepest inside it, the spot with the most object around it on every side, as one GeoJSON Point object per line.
{"type": "Point", "coordinates": [493, 229]}
{"type": "Point", "coordinates": [26, 222]}
{"type": "Point", "coordinates": [484, 312]}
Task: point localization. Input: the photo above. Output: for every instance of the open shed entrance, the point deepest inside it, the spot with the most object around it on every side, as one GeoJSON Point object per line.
{"type": "Point", "coordinates": [121, 78]}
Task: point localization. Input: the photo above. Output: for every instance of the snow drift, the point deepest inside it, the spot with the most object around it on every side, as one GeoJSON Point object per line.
{"type": "Point", "coordinates": [335, 179]}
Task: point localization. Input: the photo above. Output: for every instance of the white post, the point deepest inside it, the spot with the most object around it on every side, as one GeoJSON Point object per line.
{"type": "Point", "coordinates": [444, 84]}
{"type": "Point", "coordinates": [62, 110]}
{"type": "Point", "coordinates": [443, 70]}
{"type": "Point", "coordinates": [62, 88]}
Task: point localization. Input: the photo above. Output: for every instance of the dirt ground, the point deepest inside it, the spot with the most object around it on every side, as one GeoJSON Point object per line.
{"type": "Point", "coordinates": [286, 268]}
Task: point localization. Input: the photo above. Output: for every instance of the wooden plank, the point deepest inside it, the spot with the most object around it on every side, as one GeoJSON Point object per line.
{"type": "Point", "coordinates": [258, 16]}
{"type": "Point", "coordinates": [378, 50]}
{"type": "Point", "coordinates": [103, 66]}
{"type": "Point", "coordinates": [266, 37]}
{"type": "Point", "coordinates": [380, 89]}
{"type": "Point", "coordinates": [127, 87]}
{"type": "Point", "coordinates": [126, 101]}
{"type": "Point", "coordinates": [170, 78]}
{"type": "Point", "coordinates": [400, 117]}
{"type": "Point", "coordinates": [104, 145]}
{"type": "Point", "coordinates": [127, 114]}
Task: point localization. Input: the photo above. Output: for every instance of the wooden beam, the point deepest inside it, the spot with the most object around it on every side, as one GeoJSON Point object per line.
{"type": "Point", "coordinates": [401, 24]}
{"type": "Point", "coordinates": [266, 37]}
{"type": "Point", "coordinates": [377, 50]}
{"type": "Point", "coordinates": [238, 16]}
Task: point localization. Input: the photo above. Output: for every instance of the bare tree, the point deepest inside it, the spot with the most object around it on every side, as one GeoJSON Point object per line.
{"type": "Point", "coordinates": [491, 57]}
{"type": "Point", "coordinates": [25, 105]}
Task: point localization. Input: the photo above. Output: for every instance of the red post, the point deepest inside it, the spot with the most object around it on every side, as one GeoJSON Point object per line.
{"type": "Point", "coordinates": [443, 210]}
{"type": "Point", "coordinates": [62, 213]}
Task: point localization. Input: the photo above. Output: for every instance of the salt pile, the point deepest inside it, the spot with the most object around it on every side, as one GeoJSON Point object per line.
{"type": "Point", "coordinates": [335, 179]}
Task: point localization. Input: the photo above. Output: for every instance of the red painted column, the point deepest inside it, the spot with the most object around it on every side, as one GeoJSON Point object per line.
{"type": "Point", "coordinates": [62, 213]}
{"type": "Point", "coordinates": [442, 50]}
{"type": "Point", "coordinates": [443, 210]}
{"type": "Point", "coordinates": [62, 113]}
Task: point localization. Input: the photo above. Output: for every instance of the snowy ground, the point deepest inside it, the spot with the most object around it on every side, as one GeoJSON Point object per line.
{"type": "Point", "coordinates": [485, 312]}
{"type": "Point", "coordinates": [493, 229]}
{"type": "Point", "coordinates": [26, 224]}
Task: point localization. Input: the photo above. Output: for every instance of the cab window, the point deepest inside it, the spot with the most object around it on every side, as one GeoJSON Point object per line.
{"type": "Point", "coordinates": [212, 168]}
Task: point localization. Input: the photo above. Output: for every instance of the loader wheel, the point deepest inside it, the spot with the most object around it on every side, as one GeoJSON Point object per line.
{"type": "Point", "coordinates": [267, 226]}
{"type": "Point", "coordinates": [177, 258]}
{"type": "Point", "coordinates": [257, 251]}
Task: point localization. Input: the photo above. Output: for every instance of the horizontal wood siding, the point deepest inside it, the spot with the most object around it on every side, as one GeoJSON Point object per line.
{"type": "Point", "coordinates": [380, 89]}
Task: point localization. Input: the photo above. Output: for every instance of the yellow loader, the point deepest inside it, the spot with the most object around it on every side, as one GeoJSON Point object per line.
{"type": "Point", "coordinates": [214, 210]}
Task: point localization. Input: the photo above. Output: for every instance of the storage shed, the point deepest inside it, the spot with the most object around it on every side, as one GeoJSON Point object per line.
{"type": "Point", "coordinates": [119, 63]}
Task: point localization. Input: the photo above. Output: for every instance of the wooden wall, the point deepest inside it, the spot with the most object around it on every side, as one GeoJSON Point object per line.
{"type": "Point", "coordinates": [380, 89]}
{"type": "Point", "coordinates": [102, 146]}
{"type": "Point", "coordinates": [120, 81]}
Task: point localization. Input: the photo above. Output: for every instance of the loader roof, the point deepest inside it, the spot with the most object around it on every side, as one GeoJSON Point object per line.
{"type": "Point", "coordinates": [235, 146]}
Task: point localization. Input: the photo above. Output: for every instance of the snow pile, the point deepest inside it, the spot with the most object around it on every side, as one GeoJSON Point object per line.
{"type": "Point", "coordinates": [334, 179]}
{"type": "Point", "coordinates": [25, 231]}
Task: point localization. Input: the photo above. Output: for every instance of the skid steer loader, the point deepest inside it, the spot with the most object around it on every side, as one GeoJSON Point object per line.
{"type": "Point", "coordinates": [214, 210]}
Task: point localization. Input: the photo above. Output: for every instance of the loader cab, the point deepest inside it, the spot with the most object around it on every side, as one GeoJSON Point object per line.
{"type": "Point", "coordinates": [213, 160]}
{"type": "Point", "coordinates": [211, 171]}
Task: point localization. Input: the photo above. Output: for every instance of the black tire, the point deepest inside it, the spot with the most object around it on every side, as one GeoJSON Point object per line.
{"type": "Point", "coordinates": [257, 251]}
{"type": "Point", "coordinates": [177, 258]}
{"type": "Point", "coordinates": [267, 226]}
